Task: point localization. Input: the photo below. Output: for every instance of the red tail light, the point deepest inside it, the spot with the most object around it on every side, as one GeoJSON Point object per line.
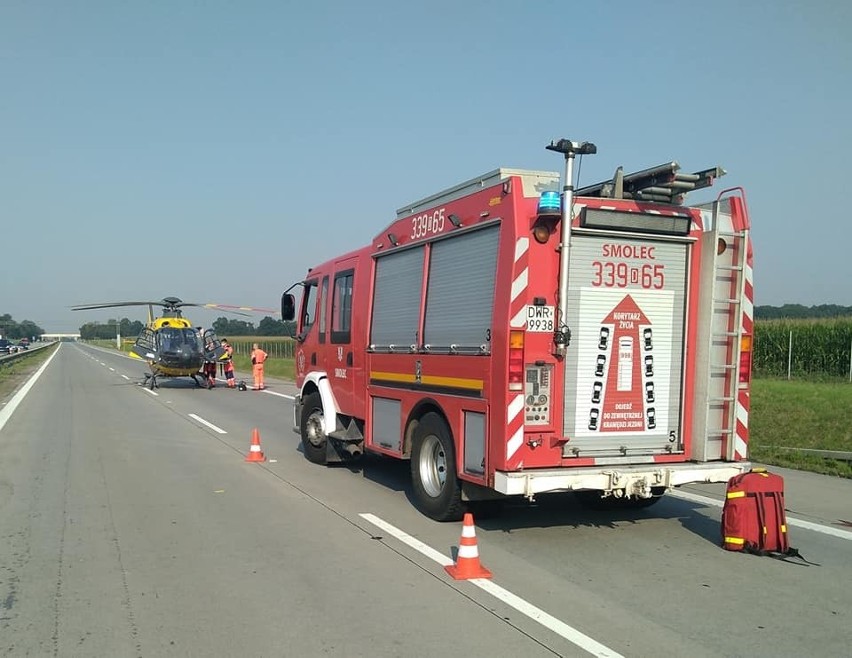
{"type": "Point", "coordinates": [745, 359]}
{"type": "Point", "coordinates": [516, 360]}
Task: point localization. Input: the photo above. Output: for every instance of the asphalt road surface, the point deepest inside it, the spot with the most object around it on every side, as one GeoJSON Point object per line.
{"type": "Point", "coordinates": [131, 525]}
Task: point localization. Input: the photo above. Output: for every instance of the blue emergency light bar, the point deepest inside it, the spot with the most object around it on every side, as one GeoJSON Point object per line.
{"type": "Point", "coordinates": [549, 203]}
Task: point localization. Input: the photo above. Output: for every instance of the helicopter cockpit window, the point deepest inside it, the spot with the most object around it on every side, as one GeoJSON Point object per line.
{"type": "Point", "coordinates": [173, 339]}
{"type": "Point", "coordinates": [191, 339]}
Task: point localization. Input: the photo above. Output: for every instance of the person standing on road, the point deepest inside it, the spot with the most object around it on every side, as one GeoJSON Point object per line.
{"type": "Point", "coordinates": [258, 356]}
{"type": "Point", "coordinates": [228, 358]}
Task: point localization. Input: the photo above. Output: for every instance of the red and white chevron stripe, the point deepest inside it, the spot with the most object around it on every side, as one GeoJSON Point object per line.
{"type": "Point", "coordinates": [517, 313]}
{"type": "Point", "coordinates": [747, 326]}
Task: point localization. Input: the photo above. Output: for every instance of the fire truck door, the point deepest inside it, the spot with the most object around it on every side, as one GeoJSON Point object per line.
{"type": "Point", "coordinates": [344, 366]}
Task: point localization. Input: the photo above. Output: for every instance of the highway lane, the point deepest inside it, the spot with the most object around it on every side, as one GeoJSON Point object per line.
{"type": "Point", "coordinates": [130, 531]}
{"type": "Point", "coordinates": [641, 583]}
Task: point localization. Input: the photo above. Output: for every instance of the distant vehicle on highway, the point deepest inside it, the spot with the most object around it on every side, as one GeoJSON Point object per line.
{"type": "Point", "coordinates": [5, 346]}
{"type": "Point", "coordinates": [23, 344]}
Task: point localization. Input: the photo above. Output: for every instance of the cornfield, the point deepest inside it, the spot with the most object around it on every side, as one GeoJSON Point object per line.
{"type": "Point", "coordinates": [803, 348]}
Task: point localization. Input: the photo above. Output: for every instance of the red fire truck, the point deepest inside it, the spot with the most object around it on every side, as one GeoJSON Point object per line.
{"type": "Point", "coordinates": [512, 336]}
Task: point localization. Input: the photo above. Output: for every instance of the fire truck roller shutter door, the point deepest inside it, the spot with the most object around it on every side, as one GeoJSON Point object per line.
{"type": "Point", "coordinates": [437, 490]}
{"type": "Point", "coordinates": [396, 309]}
{"type": "Point", "coordinates": [460, 302]}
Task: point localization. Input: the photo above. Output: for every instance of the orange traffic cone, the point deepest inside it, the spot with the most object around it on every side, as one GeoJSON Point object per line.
{"type": "Point", "coordinates": [467, 564]}
{"type": "Point", "coordinates": [255, 453]}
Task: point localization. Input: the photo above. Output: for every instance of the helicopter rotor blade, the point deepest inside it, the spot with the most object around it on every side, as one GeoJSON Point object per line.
{"type": "Point", "coordinates": [88, 307]}
{"type": "Point", "coordinates": [235, 309]}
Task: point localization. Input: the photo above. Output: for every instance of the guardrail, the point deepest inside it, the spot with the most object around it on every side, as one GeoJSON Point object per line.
{"type": "Point", "coordinates": [839, 455]}
{"type": "Point", "coordinates": [6, 359]}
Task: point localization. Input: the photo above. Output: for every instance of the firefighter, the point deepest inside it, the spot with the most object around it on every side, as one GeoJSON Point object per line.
{"type": "Point", "coordinates": [228, 359]}
{"type": "Point", "coordinates": [258, 356]}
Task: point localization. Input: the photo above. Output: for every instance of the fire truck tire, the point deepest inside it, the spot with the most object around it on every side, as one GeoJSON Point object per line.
{"type": "Point", "coordinates": [437, 490]}
{"type": "Point", "coordinates": [313, 436]}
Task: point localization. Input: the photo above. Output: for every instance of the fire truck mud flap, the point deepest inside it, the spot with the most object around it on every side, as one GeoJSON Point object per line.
{"type": "Point", "coordinates": [630, 481]}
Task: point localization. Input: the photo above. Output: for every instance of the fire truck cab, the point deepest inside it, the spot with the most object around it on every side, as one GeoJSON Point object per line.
{"type": "Point", "coordinates": [511, 336]}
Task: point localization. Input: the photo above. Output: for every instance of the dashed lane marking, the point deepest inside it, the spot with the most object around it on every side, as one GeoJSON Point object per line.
{"type": "Point", "coordinates": [207, 424]}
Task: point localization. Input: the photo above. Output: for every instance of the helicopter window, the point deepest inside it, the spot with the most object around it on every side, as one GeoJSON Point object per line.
{"type": "Point", "coordinates": [170, 339]}
{"type": "Point", "coordinates": [145, 341]}
{"type": "Point", "coordinates": [341, 310]}
{"type": "Point", "coordinates": [322, 301]}
{"type": "Point", "coordinates": [190, 337]}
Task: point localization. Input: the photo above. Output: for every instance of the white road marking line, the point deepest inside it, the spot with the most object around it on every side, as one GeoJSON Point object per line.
{"type": "Point", "coordinates": [148, 390]}
{"type": "Point", "coordinates": [208, 424]}
{"type": "Point", "coordinates": [280, 395]}
{"type": "Point", "coordinates": [6, 412]}
{"type": "Point", "coordinates": [113, 369]}
{"type": "Point", "coordinates": [536, 614]}
{"type": "Point", "coordinates": [799, 523]}
{"type": "Point", "coordinates": [126, 377]}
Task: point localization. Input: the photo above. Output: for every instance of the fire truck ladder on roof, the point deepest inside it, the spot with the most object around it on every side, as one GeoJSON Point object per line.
{"type": "Point", "coordinates": [727, 292]}
{"type": "Point", "coordinates": [661, 184]}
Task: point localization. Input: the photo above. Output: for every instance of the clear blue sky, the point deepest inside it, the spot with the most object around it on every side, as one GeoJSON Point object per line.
{"type": "Point", "coordinates": [214, 150]}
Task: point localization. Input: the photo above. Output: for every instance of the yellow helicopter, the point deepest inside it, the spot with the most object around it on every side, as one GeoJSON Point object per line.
{"type": "Point", "coordinates": [169, 344]}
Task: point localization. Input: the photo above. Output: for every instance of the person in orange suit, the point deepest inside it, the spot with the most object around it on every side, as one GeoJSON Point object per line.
{"type": "Point", "coordinates": [227, 357]}
{"type": "Point", "coordinates": [258, 356]}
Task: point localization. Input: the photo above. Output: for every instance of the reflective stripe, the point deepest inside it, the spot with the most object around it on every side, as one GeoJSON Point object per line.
{"type": "Point", "coordinates": [735, 540]}
{"type": "Point", "coordinates": [783, 528]}
{"type": "Point", "coordinates": [737, 494]}
{"type": "Point", "coordinates": [468, 551]}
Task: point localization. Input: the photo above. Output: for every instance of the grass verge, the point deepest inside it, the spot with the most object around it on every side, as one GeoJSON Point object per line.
{"type": "Point", "coordinates": [798, 414]}
{"type": "Point", "coordinates": [15, 373]}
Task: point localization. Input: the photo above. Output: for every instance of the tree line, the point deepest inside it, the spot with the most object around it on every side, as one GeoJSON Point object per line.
{"type": "Point", "coordinates": [13, 330]}
{"type": "Point", "coordinates": [222, 326]}
{"type": "Point", "coordinates": [789, 311]}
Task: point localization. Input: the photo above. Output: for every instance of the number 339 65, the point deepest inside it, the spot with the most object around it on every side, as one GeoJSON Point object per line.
{"type": "Point", "coordinates": [427, 224]}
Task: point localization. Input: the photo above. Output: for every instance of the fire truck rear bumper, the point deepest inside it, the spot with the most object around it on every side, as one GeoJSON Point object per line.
{"type": "Point", "coordinates": [627, 480]}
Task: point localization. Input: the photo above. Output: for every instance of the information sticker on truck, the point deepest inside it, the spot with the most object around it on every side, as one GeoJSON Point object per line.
{"type": "Point", "coordinates": [540, 319]}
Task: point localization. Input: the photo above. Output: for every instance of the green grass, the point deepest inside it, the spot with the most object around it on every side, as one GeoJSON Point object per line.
{"type": "Point", "coordinates": [799, 414]}
{"type": "Point", "coordinates": [280, 368]}
{"type": "Point", "coordinates": [14, 373]}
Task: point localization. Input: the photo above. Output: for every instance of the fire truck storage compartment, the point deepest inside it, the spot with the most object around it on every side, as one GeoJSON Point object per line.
{"type": "Point", "coordinates": [387, 421]}
{"type": "Point", "coordinates": [474, 443]}
{"type": "Point", "coordinates": [460, 292]}
{"type": "Point", "coordinates": [624, 368]}
{"type": "Point", "coordinates": [459, 298]}
{"type": "Point", "coordinates": [396, 308]}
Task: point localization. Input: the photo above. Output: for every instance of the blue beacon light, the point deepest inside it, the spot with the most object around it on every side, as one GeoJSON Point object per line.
{"type": "Point", "coordinates": [549, 203]}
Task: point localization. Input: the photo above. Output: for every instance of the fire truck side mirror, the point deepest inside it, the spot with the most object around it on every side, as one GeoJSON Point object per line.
{"type": "Point", "coordinates": [288, 307]}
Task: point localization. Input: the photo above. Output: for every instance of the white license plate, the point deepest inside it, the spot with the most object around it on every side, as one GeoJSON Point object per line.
{"type": "Point", "coordinates": [540, 319]}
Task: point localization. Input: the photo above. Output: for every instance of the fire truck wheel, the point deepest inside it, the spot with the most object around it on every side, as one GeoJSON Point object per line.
{"type": "Point", "coordinates": [313, 435]}
{"type": "Point", "coordinates": [437, 490]}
